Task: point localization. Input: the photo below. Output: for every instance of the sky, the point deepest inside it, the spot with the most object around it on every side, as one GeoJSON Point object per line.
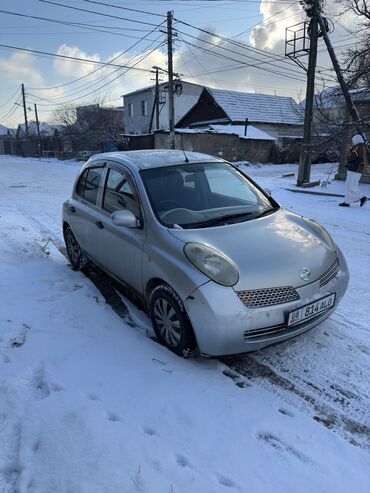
{"type": "Point", "coordinates": [250, 59]}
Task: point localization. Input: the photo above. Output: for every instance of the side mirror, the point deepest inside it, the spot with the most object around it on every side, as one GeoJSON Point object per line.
{"type": "Point", "coordinates": [124, 218]}
{"type": "Point", "coordinates": [268, 191]}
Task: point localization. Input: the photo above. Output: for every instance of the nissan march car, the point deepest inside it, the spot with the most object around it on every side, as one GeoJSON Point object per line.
{"type": "Point", "coordinates": [221, 266]}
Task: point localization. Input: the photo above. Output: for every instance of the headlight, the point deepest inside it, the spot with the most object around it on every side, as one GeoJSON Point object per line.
{"type": "Point", "coordinates": [212, 263]}
{"type": "Point", "coordinates": [322, 233]}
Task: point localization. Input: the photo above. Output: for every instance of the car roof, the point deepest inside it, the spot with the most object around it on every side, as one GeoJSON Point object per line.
{"type": "Point", "coordinates": [155, 158]}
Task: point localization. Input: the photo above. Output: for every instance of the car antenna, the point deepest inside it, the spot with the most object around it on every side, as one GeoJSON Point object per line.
{"type": "Point", "coordinates": [186, 157]}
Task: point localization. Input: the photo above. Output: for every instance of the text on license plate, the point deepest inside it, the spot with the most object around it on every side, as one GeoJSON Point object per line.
{"type": "Point", "coordinates": [308, 311]}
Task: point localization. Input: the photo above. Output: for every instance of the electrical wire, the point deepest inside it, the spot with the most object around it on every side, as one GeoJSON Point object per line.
{"type": "Point", "coordinates": [123, 8]}
{"type": "Point", "coordinates": [77, 59]}
{"type": "Point", "coordinates": [258, 60]}
{"type": "Point", "coordinates": [97, 13]}
{"type": "Point", "coordinates": [245, 64]}
{"type": "Point", "coordinates": [107, 83]}
{"type": "Point", "coordinates": [82, 25]}
{"type": "Point", "coordinates": [90, 84]}
{"type": "Point", "coordinates": [11, 97]}
{"type": "Point", "coordinates": [12, 109]}
{"type": "Point", "coordinates": [100, 68]}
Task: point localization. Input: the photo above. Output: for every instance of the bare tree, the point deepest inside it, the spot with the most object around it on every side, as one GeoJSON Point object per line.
{"type": "Point", "coordinates": [357, 60]}
{"type": "Point", "coordinates": [90, 127]}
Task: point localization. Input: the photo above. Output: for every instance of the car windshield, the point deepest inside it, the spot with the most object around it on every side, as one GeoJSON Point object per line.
{"type": "Point", "coordinates": [203, 195]}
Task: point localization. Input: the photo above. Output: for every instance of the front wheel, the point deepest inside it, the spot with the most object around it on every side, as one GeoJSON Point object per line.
{"type": "Point", "coordinates": [171, 322]}
{"type": "Point", "coordinates": [74, 252]}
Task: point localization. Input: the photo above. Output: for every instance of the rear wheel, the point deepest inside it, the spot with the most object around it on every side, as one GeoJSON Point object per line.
{"type": "Point", "coordinates": [74, 252]}
{"type": "Point", "coordinates": [171, 322]}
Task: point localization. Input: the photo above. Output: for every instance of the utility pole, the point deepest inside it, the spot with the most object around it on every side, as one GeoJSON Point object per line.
{"type": "Point", "coordinates": [155, 108]}
{"type": "Point", "coordinates": [157, 98]}
{"type": "Point", "coordinates": [25, 110]}
{"type": "Point", "coordinates": [306, 152]}
{"type": "Point", "coordinates": [38, 128]}
{"type": "Point", "coordinates": [171, 106]}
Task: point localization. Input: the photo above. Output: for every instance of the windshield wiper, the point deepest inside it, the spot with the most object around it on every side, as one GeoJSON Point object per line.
{"type": "Point", "coordinates": [267, 212]}
{"type": "Point", "coordinates": [218, 220]}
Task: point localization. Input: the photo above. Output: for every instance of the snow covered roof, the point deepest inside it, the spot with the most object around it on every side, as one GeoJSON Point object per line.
{"type": "Point", "coordinates": [257, 107]}
{"type": "Point", "coordinates": [3, 130]}
{"type": "Point", "coordinates": [332, 97]}
{"type": "Point", "coordinates": [252, 132]}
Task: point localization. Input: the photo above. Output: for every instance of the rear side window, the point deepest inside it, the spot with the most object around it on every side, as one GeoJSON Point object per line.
{"type": "Point", "coordinates": [88, 184]}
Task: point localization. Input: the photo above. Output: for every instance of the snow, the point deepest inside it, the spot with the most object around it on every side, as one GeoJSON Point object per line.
{"type": "Point", "coordinates": [3, 130]}
{"type": "Point", "coordinates": [252, 132]}
{"type": "Point", "coordinates": [257, 107]}
{"type": "Point", "coordinates": [89, 403]}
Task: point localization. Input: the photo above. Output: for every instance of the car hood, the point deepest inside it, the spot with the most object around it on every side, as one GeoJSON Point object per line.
{"type": "Point", "coordinates": [270, 251]}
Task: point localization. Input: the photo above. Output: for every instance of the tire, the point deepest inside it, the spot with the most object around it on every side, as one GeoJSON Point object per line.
{"type": "Point", "coordinates": [75, 254]}
{"type": "Point", "coordinates": [171, 322]}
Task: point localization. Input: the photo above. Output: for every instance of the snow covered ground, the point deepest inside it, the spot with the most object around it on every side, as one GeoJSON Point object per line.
{"type": "Point", "coordinates": [90, 404]}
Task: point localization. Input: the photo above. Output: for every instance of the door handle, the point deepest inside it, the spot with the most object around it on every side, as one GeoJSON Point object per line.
{"type": "Point", "coordinates": [99, 224]}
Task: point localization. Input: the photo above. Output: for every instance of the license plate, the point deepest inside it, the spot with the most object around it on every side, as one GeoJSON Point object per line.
{"type": "Point", "coordinates": [311, 310]}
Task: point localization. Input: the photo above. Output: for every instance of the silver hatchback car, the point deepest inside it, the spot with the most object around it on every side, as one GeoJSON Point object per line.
{"type": "Point", "coordinates": [222, 267]}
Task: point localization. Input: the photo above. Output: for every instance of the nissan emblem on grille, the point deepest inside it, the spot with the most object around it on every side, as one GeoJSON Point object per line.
{"type": "Point", "coordinates": [305, 274]}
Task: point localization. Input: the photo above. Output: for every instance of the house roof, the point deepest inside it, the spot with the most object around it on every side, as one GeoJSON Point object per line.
{"type": "Point", "coordinates": [332, 97]}
{"type": "Point", "coordinates": [3, 130]}
{"type": "Point", "coordinates": [152, 88]}
{"type": "Point", "coordinates": [262, 108]}
{"type": "Point", "coordinates": [253, 133]}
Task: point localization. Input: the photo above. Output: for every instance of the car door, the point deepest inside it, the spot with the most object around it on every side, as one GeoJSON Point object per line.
{"type": "Point", "coordinates": [83, 208]}
{"type": "Point", "coordinates": [119, 250]}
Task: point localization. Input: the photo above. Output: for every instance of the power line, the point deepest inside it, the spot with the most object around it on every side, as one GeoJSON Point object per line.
{"type": "Point", "coordinates": [260, 62]}
{"type": "Point", "coordinates": [250, 65]}
{"type": "Point", "coordinates": [90, 84]}
{"type": "Point", "coordinates": [123, 8]}
{"type": "Point", "coordinates": [110, 82]}
{"type": "Point", "coordinates": [12, 109]}
{"type": "Point", "coordinates": [232, 41]}
{"type": "Point", "coordinates": [82, 25]}
{"type": "Point", "coordinates": [97, 13]}
{"type": "Point", "coordinates": [11, 97]}
{"type": "Point", "coordinates": [77, 59]}
{"type": "Point", "coordinates": [100, 68]}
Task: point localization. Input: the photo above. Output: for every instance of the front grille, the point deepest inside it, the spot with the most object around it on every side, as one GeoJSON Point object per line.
{"type": "Point", "coordinates": [268, 296]}
{"type": "Point", "coordinates": [329, 274]}
{"type": "Point", "coordinates": [256, 335]}
{"type": "Point", "coordinates": [265, 332]}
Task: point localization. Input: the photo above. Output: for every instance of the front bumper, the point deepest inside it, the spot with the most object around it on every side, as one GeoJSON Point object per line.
{"type": "Point", "coordinates": [224, 325]}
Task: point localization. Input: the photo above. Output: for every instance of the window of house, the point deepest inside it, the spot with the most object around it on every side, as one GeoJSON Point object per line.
{"type": "Point", "coordinates": [88, 184]}
{"type": "Point", "coordinates": [131, 110]}
{"type": "Point", "coordinates": [144, 108]}
{"type": "Point", "coordinates": [118, 194]}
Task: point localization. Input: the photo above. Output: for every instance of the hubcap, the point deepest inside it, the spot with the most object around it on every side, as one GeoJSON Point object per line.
{"type": "Point", "coordinates": [167, 321]}
{"type": "Point", "coordinates": [73, 247]}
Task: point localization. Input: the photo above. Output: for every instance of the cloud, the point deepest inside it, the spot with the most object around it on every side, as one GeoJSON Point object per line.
{"type": "Point", "coordinates": [23, 67]}
{"type": "Point", "coordinates": [275, 20]}
{"type": "Point", "coordinates": [271, 32]}
{"type": "Point", "coordinates": [69, 68]}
